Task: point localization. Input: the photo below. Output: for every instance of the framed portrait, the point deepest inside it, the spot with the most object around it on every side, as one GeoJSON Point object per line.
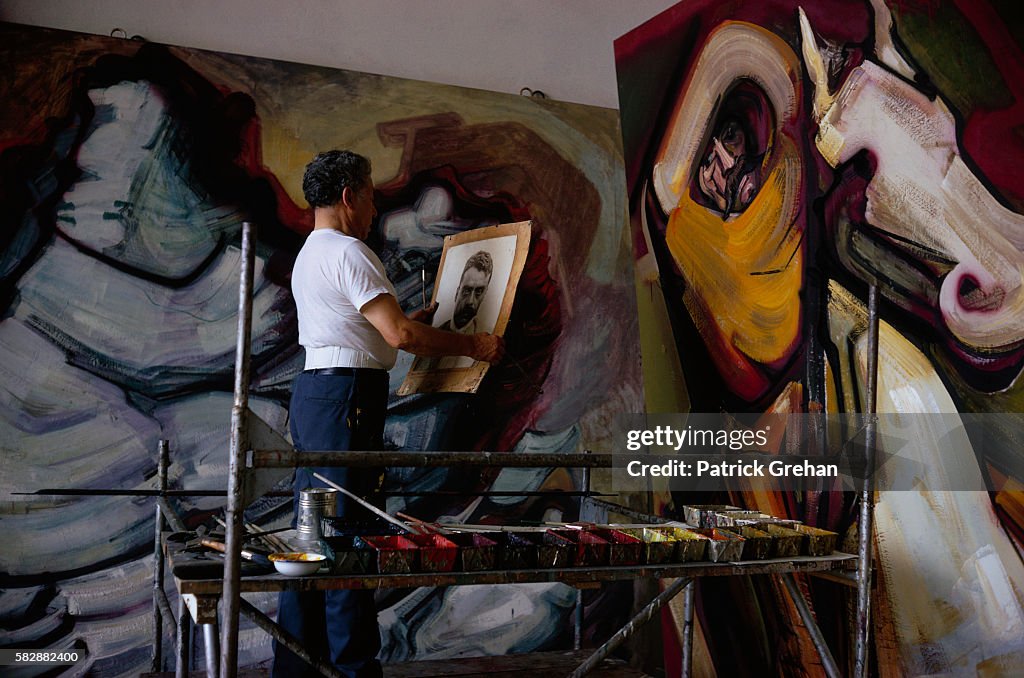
{"type": "Point", "coordinates": [474, 290]}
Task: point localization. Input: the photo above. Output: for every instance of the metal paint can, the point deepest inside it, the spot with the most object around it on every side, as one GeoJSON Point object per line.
{"type": "Point", "coordinates": [314, 504]}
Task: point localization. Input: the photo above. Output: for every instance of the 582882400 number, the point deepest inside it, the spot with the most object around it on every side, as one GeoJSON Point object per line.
{"type": "Point", "coordinates": [27, 657]}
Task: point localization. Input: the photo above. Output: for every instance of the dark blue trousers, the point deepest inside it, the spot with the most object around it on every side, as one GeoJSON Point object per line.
{"type": "Point", "coordinates": [330, 412]}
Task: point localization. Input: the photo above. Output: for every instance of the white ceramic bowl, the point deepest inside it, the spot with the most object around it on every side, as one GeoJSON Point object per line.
{"type": "Point", "coordinates": [297, 564]}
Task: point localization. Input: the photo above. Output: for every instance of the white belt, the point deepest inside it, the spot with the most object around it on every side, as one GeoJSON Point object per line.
{"type": "Point", "coordinates": [338, 356]}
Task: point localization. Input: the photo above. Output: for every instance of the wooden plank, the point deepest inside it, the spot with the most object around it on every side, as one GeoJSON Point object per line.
{"type": "Point", "coordinates": [358, 459]}
{"type": "Point", "coordinates": [207, 585]}
{"type": "Point", "coordinates": [560, 663]}
{"type": "Point", "coordinates": [581, 577]}
{"type": "Point", "coordinates": [242, 673]}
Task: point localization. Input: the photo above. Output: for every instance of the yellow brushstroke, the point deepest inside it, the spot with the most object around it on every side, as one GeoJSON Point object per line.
{"type": "Point", "coordinates": [744, 274]}
{"type": "Point", "coordinates": [286, 156]}
{"type": "Point", "coordinates": [764, 496]}
{"type": "Point", "coordinates": [1010, 498]}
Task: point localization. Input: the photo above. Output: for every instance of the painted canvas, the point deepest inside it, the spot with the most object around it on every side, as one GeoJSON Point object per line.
{"type": "Point", "coordinates": [127, 169]}
{"type": "Point", "coordinates": [780, 158]}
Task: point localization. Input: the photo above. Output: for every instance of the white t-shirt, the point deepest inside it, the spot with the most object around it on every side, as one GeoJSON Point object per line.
{"type": "Point", "coordinates": [334, 276]}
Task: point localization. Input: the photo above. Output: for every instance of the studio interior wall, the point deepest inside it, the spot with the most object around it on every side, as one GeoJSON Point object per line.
{"type": "Point", "coordinates": [562, 48]}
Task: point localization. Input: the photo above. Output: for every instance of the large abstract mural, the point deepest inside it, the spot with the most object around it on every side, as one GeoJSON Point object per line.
{"type": "Point", "coordinates": [779, 160]}
{"type": "Point", "coordinates": [126, 170]}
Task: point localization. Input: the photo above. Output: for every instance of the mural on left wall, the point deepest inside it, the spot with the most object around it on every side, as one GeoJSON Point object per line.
{"type": "Point", "coordinates": [126, 170]}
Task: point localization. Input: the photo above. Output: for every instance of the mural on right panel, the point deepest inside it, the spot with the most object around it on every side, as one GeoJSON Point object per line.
{"type": "Point", "coordinates": [780, 159]}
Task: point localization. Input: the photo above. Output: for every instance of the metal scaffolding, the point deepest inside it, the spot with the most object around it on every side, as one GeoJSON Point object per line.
{"type": "Point", "coordinates": [245, 460]}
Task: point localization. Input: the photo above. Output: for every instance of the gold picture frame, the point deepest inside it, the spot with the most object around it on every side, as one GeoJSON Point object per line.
{"type": "Point", "coordinates": [487, 256]}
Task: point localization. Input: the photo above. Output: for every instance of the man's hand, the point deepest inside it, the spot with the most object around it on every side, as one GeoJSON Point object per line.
{"type": "Point", "coordinates": [424, 315]}
{"type": "Point", "coordinates": [488, 347]}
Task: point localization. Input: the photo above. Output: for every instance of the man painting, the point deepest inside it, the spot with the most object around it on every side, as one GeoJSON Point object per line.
{"type": "Point", "coordinates": [351, 327]}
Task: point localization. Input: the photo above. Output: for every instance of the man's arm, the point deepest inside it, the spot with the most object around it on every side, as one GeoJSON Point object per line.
{"type": "Point", "coordinates": [418, 338]}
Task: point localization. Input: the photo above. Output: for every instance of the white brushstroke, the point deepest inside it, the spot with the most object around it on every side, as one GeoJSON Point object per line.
{"type": "Point", "coordinates": [60, 426]}
{"type": "Point", "coordinates": [129, 326]}
{"type": "Point", "coordinates": [885, 48]}
{"type": "Point", "coordinates": [923, 192]}
{"type": "Point", "coordinates": [127, 120]}
{"type": "Point", "coordinates": [133, 202]}
{"type": "Point", "coordinates": [816, 68]}
{"type": "Point", "coordinates": [953, 581]}
{"type": "Point", "coordinates": [985, 584]}
{"type": "Point", "coordinates": [469, 621]}
{"type": "Point", "coordinates": [111, 591]}
{"type": "Point", "coordinates": [425, 224]}
{"type": "Point", "coordinates": [732, 52]}
{"type": "Point", "coordinates": [196, 425]}
{"type": "Point", "coordinates": [113, 610]}
{"type": "Point", "coordinates": [64, 427]}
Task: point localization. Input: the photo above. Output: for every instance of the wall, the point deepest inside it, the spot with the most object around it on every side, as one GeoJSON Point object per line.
{"type": "Point", "coordinates": [102, 108]}
{"type": "Point", "coordinates": [562, 48]}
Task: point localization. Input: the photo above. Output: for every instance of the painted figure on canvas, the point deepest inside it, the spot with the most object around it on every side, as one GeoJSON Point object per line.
{"type": "Point", "coordinates": [783, 157]}
{"type": "Point", "coordinates": [124, 193]}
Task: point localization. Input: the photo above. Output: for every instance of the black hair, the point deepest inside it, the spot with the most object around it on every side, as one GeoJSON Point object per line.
{"type": "Point", "coordinates": [481, 261]}
{"type": "Point", "coordinates": [329, 173]}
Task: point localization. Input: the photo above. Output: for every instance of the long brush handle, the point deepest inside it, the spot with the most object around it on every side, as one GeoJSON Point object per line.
{"type": "Point", "coordinates": [257, 558]}
{"type": "Point", "coordinates": [365, 504]}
